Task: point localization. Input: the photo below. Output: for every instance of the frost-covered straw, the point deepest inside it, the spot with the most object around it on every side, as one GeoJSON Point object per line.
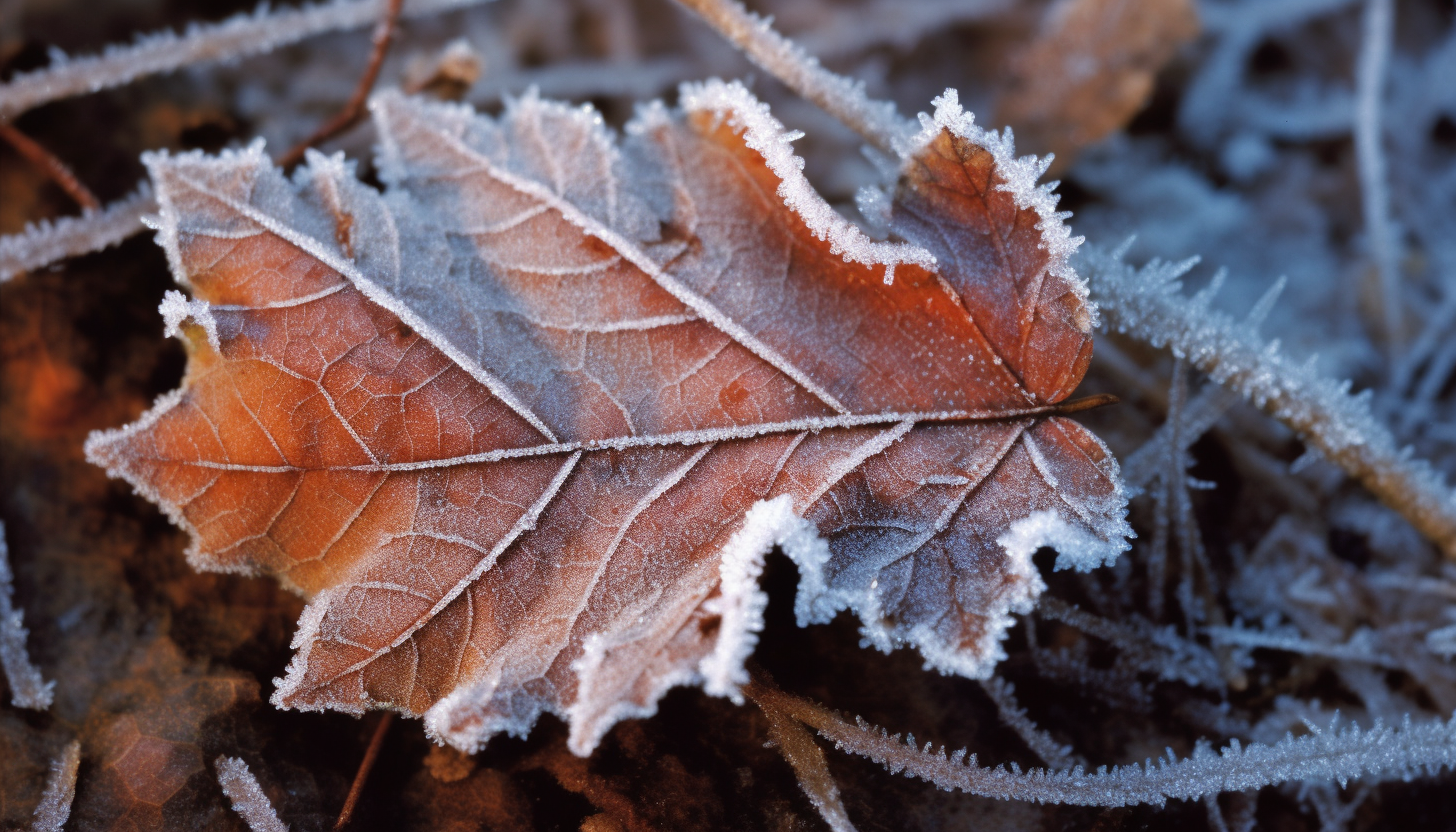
{"type": "Point", "coordinates": [54, 808]}
{"type": "Point", "coordinates": [247, 797]}
{"type": "Point", "coordinates": [44, 243]}
{"type": "Point", "coordinates": [1323, 755]}
{"type": "Point", "coordinates": [1148, 304]}
{"type": "Point", "coordinates": [27, 688]}
{"type": "Point", "coordinates": [1370, 157]}
{"type": "Point", "coordinates": [238, 36]}
{"type": "Point", "coordinates": [845, 99]}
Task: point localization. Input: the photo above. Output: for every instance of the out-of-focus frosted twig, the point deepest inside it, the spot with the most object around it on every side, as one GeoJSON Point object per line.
{"type": "Point", "coordinates": [354, 109]}
{"type": "Point", "coordinates": [58, 171]}
{"type": "Point", "coordinates": [238, 36]}
{"type": "Point", "coordinates": [1370, 155]}
{"type": "Point", "coordinates": [1328, 755]}
{"type": "Point", "coordinates": [1044, 745]}
{"type": "Point", "coordinates": [60, 790]}
{"type": "Point", "coordinates": [27, 688]}
{"type": "Point", "coordinates": [247, 797]}
{"type": "Point", "coordinates": [1148, 304]}
{"type": "Point", "coordinates": [876, 121]}
{"type": "Point", "coordinates": [45, 243]}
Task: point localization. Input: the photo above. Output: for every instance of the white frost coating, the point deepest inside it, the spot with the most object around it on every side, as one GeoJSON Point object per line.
{"type": "Point", "coordinates": [27, 688]}
{"type": "Point", "coordinates": [1076, 548]}
{"type": "Point", "coordinates": [587, 730]}
{"type": "Point", "coordinates": [248, 799]}
{"type": "Point", "coordinates": [767, 524]}
{"type": "Point", "coordinates": [46, 242]}
{"type": "Point", "coordinates": [766, 135]}
{"type": "Point", "coordinates": [54, 808]}
{"type": "Point", "coordinates": [177, 309]}
{"type": "Point", "coordinates": [240, 35]}
{"type": "Point", "coordinates": [1021, 175]}
{"type": "Point", "coordinates": [1148, 304]}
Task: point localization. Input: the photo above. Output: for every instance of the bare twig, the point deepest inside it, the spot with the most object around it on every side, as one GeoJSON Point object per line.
{"type": "Point", "coordinates": [354, 110]}
{"type": "Point", "coordinates": [370, 755]}
{"type": "Point", "coordinates": [58, 171]}
{"type": "Point", "coordinates": [47, 242]}
{"type": "Point", "coordinates": [235, 37]}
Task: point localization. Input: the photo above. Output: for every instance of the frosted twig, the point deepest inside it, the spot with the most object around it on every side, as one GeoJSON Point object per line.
{"type": "Point", "coordinates": [238, 36]}
{"type": "Point", "coordinates": [60, 790]}
{"type": "Point", "coordinates": [1370, 156]}
{"type": "Point", "coordinates": [45, 243]}
{"type": "Point", "coordinates": [1014, 716]}
{"type": "Point", "coordinates": [27, 688]}
{"type": "Point", "coordinates": [1356, 649]}
{"type": "Point", "coordinates": [1322, 755]}
{"type": "Point", "coordinates": [804, 754]}
{"type": "Point", "coordinates": [842, 98]}
{"type": "Point", "coordinates": [1151, 650]}
{"type": "Point", "coordinates": [248, 799]}
{"type": "Point", "coordinates": [58, 171]}
{"type": "Point", "coordinates": [1148, 304]}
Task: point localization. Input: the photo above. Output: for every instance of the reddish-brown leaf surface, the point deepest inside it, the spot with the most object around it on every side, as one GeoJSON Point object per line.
{"type": "Point", "coordinates": [522, 428]}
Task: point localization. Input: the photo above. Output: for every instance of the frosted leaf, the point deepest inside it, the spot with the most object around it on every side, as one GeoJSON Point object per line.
{"type": "Point", "coordinates": [523, 427]}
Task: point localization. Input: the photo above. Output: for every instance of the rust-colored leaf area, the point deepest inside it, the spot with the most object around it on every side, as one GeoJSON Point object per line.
{"type": "Point", "coordinates": [523, 427]}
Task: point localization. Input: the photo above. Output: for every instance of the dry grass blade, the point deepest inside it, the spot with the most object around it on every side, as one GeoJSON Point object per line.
{"type": "Point", "coordinates": [803, 753]}
{"type": "Point", "coordinates": [366, 765]}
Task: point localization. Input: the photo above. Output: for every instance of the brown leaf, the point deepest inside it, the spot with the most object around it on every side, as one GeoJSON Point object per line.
{"type": "Point", "coordinates": [523, 428]}
{"type": "Point", "coordinates": [1090, 69]}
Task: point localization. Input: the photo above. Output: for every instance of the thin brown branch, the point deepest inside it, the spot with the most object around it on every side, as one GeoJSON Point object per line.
{"type": "Point", "coordinates": [53, 167]}
{"type": "Point", "coordinates": [354, 110]}
{"type": "Point", "coordinates": [370, 755]}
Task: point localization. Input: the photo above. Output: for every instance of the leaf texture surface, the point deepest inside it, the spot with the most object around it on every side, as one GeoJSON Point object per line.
{"type": "Point", "coordinates": [523, 427]}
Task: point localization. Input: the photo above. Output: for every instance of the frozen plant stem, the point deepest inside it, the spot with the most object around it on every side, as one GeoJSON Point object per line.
{"type": "Point", "coordinates": [247, 797]}
{"type": "Point", "coordinates": [1325, 755]}
{"type": "Point", "coordinates": [841, 97]}
{"type": "Point", "coordinates": [27, 688]}
{"type": "Point", "coordinates": [47, 242]}
{"type": "Point", "coordinates": [803, 753]}
{"type": "Point", "coordinates": [247, 34]}
{"type": "Point", "coordinates": [1148, 304]}
{"type": "Point", "coordinates": [1370, 156]}
{"type": "Point", "coordinates": [60, 791]}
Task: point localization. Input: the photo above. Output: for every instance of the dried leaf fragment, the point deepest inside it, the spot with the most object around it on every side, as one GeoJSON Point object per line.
{"type": "Point", "coordinates": [522, 427]}
{"type": "Point", "coordinates": [1090, 69]}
